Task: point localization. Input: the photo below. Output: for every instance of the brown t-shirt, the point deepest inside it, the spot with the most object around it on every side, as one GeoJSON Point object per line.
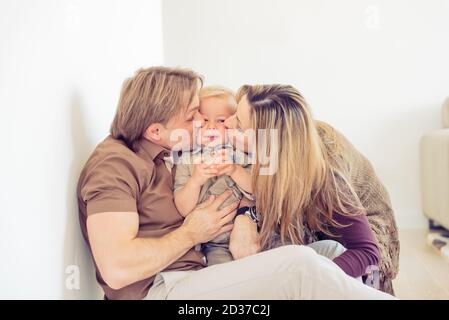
{"type": "Point", "coordinates": [116, 179]}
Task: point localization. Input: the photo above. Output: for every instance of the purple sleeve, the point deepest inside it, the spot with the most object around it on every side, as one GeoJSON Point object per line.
{"type": "Point", "coordinates": [358, 238]}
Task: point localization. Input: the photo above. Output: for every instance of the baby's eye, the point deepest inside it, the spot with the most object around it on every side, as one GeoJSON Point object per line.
{"type": "Point", "coordinates": [206, 120]}
{"type": "Point", "coordinates": [221, 120]}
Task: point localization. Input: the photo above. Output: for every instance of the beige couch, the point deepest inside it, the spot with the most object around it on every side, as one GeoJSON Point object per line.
{"type": "Point", "coordinates": [434, 151]}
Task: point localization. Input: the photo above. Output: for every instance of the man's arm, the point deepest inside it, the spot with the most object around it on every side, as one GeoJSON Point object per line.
{"type": "Point", "coordinates": [123, 258]}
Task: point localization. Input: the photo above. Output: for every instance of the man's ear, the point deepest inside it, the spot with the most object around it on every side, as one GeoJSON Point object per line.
{"type": "Point", "coordinates": [154, 132]}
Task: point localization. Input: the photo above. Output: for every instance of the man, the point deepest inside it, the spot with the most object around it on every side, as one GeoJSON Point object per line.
{"type": "Point", "coordinates": [142, 246]}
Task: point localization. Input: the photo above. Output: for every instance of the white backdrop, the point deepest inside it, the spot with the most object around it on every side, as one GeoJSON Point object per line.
{"type": "Point", "coordinates": [377, 70]}
{"type": "Point", "coordinates": [62, 64]}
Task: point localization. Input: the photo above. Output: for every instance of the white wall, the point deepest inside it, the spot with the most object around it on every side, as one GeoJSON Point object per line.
{"type": "Point", "coordinates": [62, 64]}
{"type": "Point", "coordinates": [377, 70]}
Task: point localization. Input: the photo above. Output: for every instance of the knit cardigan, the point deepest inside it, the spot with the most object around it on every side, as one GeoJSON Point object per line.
{"type": "Point", "coordinates": [373, 196]}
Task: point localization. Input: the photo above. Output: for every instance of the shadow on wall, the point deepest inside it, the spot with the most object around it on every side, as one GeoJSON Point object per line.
{"type": "Point", "coordinates": [78, 275]}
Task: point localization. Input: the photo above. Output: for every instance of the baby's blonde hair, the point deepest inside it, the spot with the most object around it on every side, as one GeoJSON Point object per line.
{"type": "Point", "coordinates": [219, 92]}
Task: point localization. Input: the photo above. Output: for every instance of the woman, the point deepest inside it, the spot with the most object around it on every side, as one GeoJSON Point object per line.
{"type": "Point", "coordinates": [322, 188]}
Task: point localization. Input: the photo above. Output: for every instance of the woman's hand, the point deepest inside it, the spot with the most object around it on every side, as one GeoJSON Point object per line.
{"type": "Point", "coordinates": [244, 238]}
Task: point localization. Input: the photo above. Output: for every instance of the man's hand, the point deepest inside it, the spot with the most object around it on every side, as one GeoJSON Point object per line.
{"type": "Point", "coordinates": [206, 221]}
{"type": "Point", "coordinates": [244, 238]}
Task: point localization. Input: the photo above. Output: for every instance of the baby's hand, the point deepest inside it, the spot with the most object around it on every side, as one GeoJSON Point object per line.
{"type": "Point", "coordinates": [202, 172]}
{"type": "Point", "coordinates": [224, 163]}
{"type": "Point", "coordinates": [226, 169]}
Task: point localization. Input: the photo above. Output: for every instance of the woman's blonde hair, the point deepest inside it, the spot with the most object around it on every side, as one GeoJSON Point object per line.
{"type": "Point", "coordinates": [152, 95]}
{"type": "Point", "coordinates": [307, 187]}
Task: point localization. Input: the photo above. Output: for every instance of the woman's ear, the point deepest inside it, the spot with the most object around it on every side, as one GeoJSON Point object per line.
{"type": "Point", "coordinates": [154, 132]}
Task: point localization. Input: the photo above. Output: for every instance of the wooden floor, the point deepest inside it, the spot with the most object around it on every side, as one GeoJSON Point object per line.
{"type": "Point", "coordinates": [423, 273]}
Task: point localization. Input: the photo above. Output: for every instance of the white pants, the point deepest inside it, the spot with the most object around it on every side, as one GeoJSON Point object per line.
{"type": "Point", "coordinates": [288, 272]}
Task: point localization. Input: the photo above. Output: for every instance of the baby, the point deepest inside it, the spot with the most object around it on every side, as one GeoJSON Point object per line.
{"type": "Point", "coordinates": [199, 175]}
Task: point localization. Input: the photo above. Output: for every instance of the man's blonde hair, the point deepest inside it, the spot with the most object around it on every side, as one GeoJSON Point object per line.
{"type": "Point", "coordinates": [152, 95]}
{"type": "Point", "coordinates": [218, 92]}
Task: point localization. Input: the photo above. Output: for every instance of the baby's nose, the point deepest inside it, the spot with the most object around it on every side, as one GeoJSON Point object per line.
{"type": "Point", "coordinates": [211, 125]}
